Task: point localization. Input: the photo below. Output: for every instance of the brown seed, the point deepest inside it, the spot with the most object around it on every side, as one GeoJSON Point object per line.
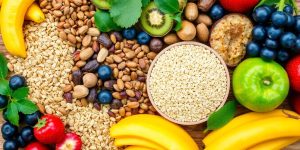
{"type": "Point", "coordinates": [151, 55]}
{"type": "Point", "coordinates": [41, 108]}
{"type": "Point", "coordinates": [144, 106]}
{"type": "Point", "coordinates": [128, 85]}
{"type": "Point", "coordinates": [141, 111]}
{"type": "Point", "coordinates": [133, 104]}
{"type": "Point", "coordinates": [130, 93]}
{"type": "Point", "coordinates": [62, 111]}
{"type": "Point", "coordinates": [84, 102]}
{"type": "Point", "coordinates": [82, 30]}
{"type": "Point", "coordinates": [72, 38]}
{"type": "Point", "coordinates": [86, 53]}
{"type": "Point", "coordinates": [77, 2]}
{"type": "Point", "coordinates": [121, 65]}
{"type": "Point", "coordinates": [130, 54]}
{"type": "Point", "coordinates": [93, 32]}
{"type": "Point", "coordinates": [63, 35]}
{"type": "Point", "coordinates": [128, 114]}
{"type": "Point", "coordinates": [116, 95]}
{"type": "Point", "coordinates": [142, 63]}
{"type": "Point", "coordinates": [57, 13]}
{"type": "Point", "coordinates": [140, 54]}
{"type": "Point", "coordinates": [115, 72]}
{"type": "Point", "coordinates": [120, 84]}
{"type": "Point", "coordinates": [67, 88]}
{"type": "Point", "coordinates": [86, 41]}
{"type": "Point", "coordinates": [133, 75]}
{"type": "Point", "coordinates": [95, 47]}
{"type": "Point", "coordinates": [113, 38]}
{"type": "Point", "coordinates": [126, 78]}
{"type": "Point", "coordinates": [103, 53]}
{"type": "Point", "coordinates": [122, 111]}
{"type": "Point", "coordinates": [131, 64]}
{"type": "Point", "coordinates": [117, 58]}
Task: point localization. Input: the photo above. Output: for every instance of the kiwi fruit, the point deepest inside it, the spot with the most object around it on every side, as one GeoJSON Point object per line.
{"type": "Point", "coordinates": [155, 22]}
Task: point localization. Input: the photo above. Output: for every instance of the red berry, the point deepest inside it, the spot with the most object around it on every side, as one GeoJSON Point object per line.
{"type": "Point", "coordinates": [293, 70]}
{"type": "Point", "coordinates": [238, 6]}
{"type": "Point", "coordinates": [71, 142]}
{"type": "Point", "coordinates": [36, 146]}
{"type": "Point", "coordinates": [295, 101]}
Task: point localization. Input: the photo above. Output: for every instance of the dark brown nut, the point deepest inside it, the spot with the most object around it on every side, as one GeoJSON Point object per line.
{"type": "Point", "coordinates": [109, 84]}
{"type": "Point", "coordinates": [123, 95]}
{"type": "Point", "coordinates": [91, 66]}
{"type": "Point", "coordinates": [92, 97]}
{"type": "Point", "coordinates": [141, 79]}
{"type": "Point", "coordinates": [95, 47]}
{"type": "Point", "coordinates": [116, 104]}
{"type": "Point", "coordinates": [134, 111]}
{"type": "Point", "coordinates": [205, 5]}
{"type": "Point", "coordinates": [97, 106]}
{"type": "Point", "coordinates": [111, 114]}
{"type": "Point", "coordinates": [105, 40]}
{"type": "Point", "coordinates": [156, 45]}
{"type": "Point", "coordinates": [138, 95]}
{"type": "Point", "coordinates": [68, 97]}
{"type": "Point", "coordinates": [118, 36]}
{"type": "Point", "coordinates": [132, 99]}
{"type": "Point", "coordinates": [77, 77]}
{"type": "Point", "coordinates": [112, 49]}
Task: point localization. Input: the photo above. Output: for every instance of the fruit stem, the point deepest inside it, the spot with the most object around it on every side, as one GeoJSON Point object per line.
{"type": "Point", "coordinates": [267, 82]}
{"type": "Point", "coordinates": [41, 123]}
{"type": "Point", "coordinates": [281, 5]}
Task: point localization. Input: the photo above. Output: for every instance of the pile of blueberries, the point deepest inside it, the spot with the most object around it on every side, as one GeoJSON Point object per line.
{"type": "Point", "coordinates": [17, 137]}
{"type": "Point", "coordinates": [275, 35]}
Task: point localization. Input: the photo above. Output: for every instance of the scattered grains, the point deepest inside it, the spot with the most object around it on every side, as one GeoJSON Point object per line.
{"type": "Point", "coordinates": [188, 83]}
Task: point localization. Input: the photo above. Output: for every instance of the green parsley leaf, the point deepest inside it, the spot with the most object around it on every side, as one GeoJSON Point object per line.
{"type": "Point", "coordinates": [104, 22]}
{"type": "Point", "coordinates": [222, 116]}
{"type": "Point", "coordinates": [4, 87]}
{"type": "Point", "coordinates": [145, 3]}
{"type": "Point", "coordinates": [126, 13]}
{"type": "Point", "coordinates": [13, 114]}
{"type": "Point", "coordinates": [26, 106]}
{"type": "Point", "coordinates": [3, 67]}
{"type": "Point", "coordinates": [178, 20]}
{"type": "Point", "coordinates": [20, 93]}
{"type": "Point", "coordinates": [267, 2]}
{"type": "Point", "coordinates": [168, 6]}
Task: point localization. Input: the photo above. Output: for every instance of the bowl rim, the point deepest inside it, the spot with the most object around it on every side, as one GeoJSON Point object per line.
{"type": "Point", "coordinates": [180, 44]}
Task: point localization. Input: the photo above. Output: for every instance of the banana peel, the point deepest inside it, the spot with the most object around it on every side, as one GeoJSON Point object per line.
{"type": "Point", "coordinates": [35, 14]}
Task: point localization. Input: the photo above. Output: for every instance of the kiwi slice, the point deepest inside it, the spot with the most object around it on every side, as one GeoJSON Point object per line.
{"type": "Point", "coordinates": [155, 22]}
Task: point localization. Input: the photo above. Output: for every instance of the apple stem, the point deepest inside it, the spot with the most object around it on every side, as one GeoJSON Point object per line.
{"type": "Point", "coordinates": [267, 82]}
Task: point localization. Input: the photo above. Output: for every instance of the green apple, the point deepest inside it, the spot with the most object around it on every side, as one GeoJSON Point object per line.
{"type": "Point", "coordinates": [259, 85]}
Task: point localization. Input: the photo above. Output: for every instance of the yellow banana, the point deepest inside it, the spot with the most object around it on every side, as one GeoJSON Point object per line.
{"type": "Point", "coordinates": [275, 144]}
{"type": "Point", "coordinates": [249, 134]}
{"type": "Point", "coordinates": [155, 129]}
{"type": "Point", "coordinates": [244, 119]}
{"type": "Point", "coordinates": [35, 14]}
{"type": "Point", "coordinates": [12, 17]}
{"type": "Point", "coordinates": [137, 148]}
{"type": "Point", "coordinates": [126, 141]}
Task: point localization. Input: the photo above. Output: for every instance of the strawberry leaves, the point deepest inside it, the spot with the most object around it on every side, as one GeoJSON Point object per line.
{"type": "Point", "coordinates": [17, 99]}
{"type": "Point", "coordinates": [280, 4]}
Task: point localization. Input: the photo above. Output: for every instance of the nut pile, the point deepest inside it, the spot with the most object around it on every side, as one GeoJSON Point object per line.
{"type": "Point", "coordinates": [187, 83]}
{"type": "Point", "coordinates": [47, 68]}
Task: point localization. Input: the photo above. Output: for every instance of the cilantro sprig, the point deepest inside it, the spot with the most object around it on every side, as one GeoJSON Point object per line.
{"type": "Point", "coordinates": [116, 14]}
{"type": "Point", "coordinates": [279, 4]}
{"type": "Point", "coordinates": [17, 99]}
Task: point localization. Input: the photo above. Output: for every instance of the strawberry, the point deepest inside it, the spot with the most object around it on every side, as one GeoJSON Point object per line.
{"type": "Point", "coordinates": [295, 102]}
{"type": "Point", "coordinates": [36, 146]}
{"type": "Point", "coordinates": [49, 129]}
{"type": "Point", "coordinates": [71, 142]}
{"type": "Point", "coordinates": [293, 70]}
{"type": "Point", "coordinates": [238, 6]}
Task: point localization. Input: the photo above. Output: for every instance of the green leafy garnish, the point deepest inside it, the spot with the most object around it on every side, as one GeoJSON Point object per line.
{"type": "Point", "coordinates": [17, 99]}
{"type": "Point", "coordinates": [221, 117]}
{"type": "Point", "coordinates": [104, 22]}
{"type": "Point", "coordinates": [168, 6]}
{"type": "Point", "coordinates": [3, 67]}
{"type": "Point", "coordinates": [279, 4]}
{"type": "Point", "coordinates": [126, 13]}
{"type": "Point", "coordinates": [145, 3]}
{"type": "Point", "coordinates": [178, 20]}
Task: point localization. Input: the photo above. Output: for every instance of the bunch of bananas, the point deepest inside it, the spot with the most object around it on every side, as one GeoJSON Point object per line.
{"type": "Point", "coordinates": [13, 13]}
{"type": "Point", "coordinates": [150, 132]}
{"type": "Point", "coordinates": [256, 131]}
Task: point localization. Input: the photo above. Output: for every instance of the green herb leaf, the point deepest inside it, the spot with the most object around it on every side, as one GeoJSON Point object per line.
{"type": "Point", "coordinates": [20, 93]}
{"type": "Point", "coordinates": [178, 20]}
{"type": "Point", "coordinates": [145, 3]}
{"type": "Point", "coordinates": [294, 5]}
{"type": "Point", "coordinates": [267, 2]}
{"type": "Point", "coordinates": [4, 87]}
{"type": "Point", "coordinates": [221, 117]}
{"type": "Point", "coordinates": [26, 106]}
{"type": "Point", "coordinates": [104, 22]}
{"type": "Point", "coordinates": [126, 13]}
{"type": "Point", "coordinates": [13, 114]}
{"type": "Point", "coordinates": [3, 67]}
{"type": "Point", "coordinates": [168, 6]}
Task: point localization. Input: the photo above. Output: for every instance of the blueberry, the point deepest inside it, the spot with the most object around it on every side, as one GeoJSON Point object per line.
{"type": "Point", "coordinates": [8, 131]}
{"type": "Point", "coordinates": [270, 9]}
{"type": "Point", "coordinates": [283, 55]}
{"type": "Point", "coordinates": [267, 54]}
{"type": "Point", "coordinates": [272, 44]}
{"type": "Point", "coordinates": [21, 142]}
{"type": "Point", "coordinates": [279, 19]}
{"type": "Point", "coordinates": [27, 134]}
{"type": "Point", "coordinates": [288, 40]}
{"type": "Point", "coordinates": [261, 14]}
{"type": "Point", "coordinates": [259, 33]}
{"type": "Point", "coordinates": [288, 9]}
{"type": "Point", "coordinates": [216, 12]}
{"type": "Point", "coordinates": [3, 101]}
{"type": "Point", "coordinates": [129, 33]}
{"type": "Point", "coordinates": [297, 46]}
{"type": "Point", "coordinates": [104, 72]}
{"type": "Point", "coordinates": [16, 82]}
{"type": "Point", "coordinates": [253, 49]}
{"type": "Point", "coordinates": [10, 145]}
{"type": "Point", "coordinates": [32, 119]}
{"type": "Point", "coordinates": [290, 20]}
{"type": "Point", "coordinates": [4, 114]}
{"type": "Point", "coordinates": [143, 38]}
{"type": "Point", "coordinates": [297, 24]}
{"type": "Point", "coordinates": [274, 32]}
{"type": "Point", "coordinates": [104, 97]}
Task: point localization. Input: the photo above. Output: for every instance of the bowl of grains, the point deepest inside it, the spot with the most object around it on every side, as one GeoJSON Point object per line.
{"type": "Point", "coordinates": [188, 81]}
